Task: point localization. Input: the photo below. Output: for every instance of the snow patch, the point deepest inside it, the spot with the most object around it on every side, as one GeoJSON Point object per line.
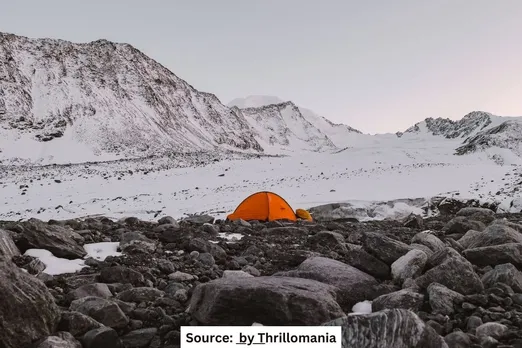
{"type": "Point", "coordinates": [56, 265]}
{"type": "Point", "coordinates": [364, 307]}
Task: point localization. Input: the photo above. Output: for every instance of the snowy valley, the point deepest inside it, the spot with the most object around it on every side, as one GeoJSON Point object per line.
{"type": "Point", "coordinates": [101, 129]}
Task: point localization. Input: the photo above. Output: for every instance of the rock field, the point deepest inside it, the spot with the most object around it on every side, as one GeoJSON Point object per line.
{"type": "Point", "coordinates": [451, 281]}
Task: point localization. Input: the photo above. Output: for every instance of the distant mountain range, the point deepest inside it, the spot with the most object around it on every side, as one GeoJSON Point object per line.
{"type": "Point", "coordinates": [105, 100]}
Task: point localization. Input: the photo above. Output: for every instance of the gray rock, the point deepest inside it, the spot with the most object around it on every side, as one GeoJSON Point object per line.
{"type": "Point", "coordinates": [405, 299]}
{"type": "Point", "coordinates": [457, 339]}
{"type": "Point", "coordinates": [139, 338]}
{"type": "Point", "coordinates": [28, 311]}
{"type": "Point", "coordinates": [352, 285]}
{"type": "Point", "coordinates": [461, 224]}
{"type": "Point", "coordinates": [8, 248]}
{"type": "Point", "coordinates": [264, 300]}
{"type": "Point", "coordinates": [505, 273]}
{"type": "Point", "coordinates": [473, 322]}
{"type": "Point", "coordinates": [236, 274]}
{"type": "Point", "coordinates": [96, 289]}
{"type": "Point", "coordinates": [61, 241]}
{"type": "Point", "coordinates": [330, 239]}
{"type": "Point", "coordinates": [442, 300]}
{"type": "Point", "coordinates": [166, 266]}
{"type": "Point", "coordinates": [180, 276]}
{"type": "Point", "coordinates": [77, 323]}
{"type": "Point", "coordinates": [207, 259]}
{"type": "Point", "coordinates": [409, 265]}
{"type": "Point", "coordinates": [252, 270]}
{"type": "Point", "coordinates": [413, 221]}
{"type": "Point", "coordinates": [241, 222]}
{"type": "Point", "coordinates": [169, 233]}
{"type": "Point", "coordinates": [504, 221]}
{"type": "Point", "coordinates": [455, 272]}
{"type": "Point", "coordinates": [397, 328]}
{"type": "Point", "coordinates": [367, 263]}
{"type": "Point", "coordinates": [384, 248]}
{"type": "Point", "coordinates": [479, 214]}
{"type": "Point", "coordinates": [423, 248]}
{"type": "Point", "coordinates": [429, 240]}
{"type": "Point", "coordinates": [136, 242]}
{"type": "Point", "coordinates": [121, 274]}
{"type": "Point", "coordinates": [60, 342]}
{"type": "Point", "coordinates": [104, 337]}
{"type": "Point", "coordinates": [104, 311]}
{"type": "Point", "coordinates": [495, 234]}
{"type": "Point", "coordinates": [199, 219]}
{"type": "Point", "coordinates": [167, 220]}
{"type": "Point", "coordinates": [495, 255]}
{"type": "Point", "coordinates": [141, 294]}
{"type": "Point", "coordinates": [492, 329]}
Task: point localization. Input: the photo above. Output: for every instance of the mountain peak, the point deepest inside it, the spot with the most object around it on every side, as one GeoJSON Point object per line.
{"type": "Point", "coordinates": [255, 101]}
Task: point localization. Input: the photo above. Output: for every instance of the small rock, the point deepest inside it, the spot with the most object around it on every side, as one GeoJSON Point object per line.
{"type": "Point", "coordinates": [104, 337]}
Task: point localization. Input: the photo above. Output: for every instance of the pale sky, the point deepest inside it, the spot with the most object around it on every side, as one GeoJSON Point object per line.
{"type": "Point", "coordinates": [379, 66]}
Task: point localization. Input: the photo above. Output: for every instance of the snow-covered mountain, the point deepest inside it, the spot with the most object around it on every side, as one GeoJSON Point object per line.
{"type": "Point", "coordinates": [476, 131]}
{"type": "Point", "coordinates": [107, 98]}
{"type": "Point", "coordinates": [282, 127]}
{"type": "Point", "coordinates": [340, 135]}
{"type": "Point", "coordinates": [62, 102]}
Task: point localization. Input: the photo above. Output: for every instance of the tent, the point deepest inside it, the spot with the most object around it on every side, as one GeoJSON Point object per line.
{"type": "Point", "coordinates": [263, 206]}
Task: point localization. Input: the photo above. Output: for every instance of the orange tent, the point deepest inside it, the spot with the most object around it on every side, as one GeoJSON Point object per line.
{"type": "Point", "coordinates": [263, 206]}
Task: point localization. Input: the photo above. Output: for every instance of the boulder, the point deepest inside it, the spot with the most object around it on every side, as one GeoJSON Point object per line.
{"type": "Point", "coordinates": [8, 248]}
{"type": "Point", "coordinates": [59, 240]}
{"type": "Point", "coordinates": [103, 337]}
{"type": "Point", "coordinates": [28, 311]}
{"type": "Point", "coordinates": [121, 274]}
{"type": "Point", "coordinates": [65, 341]}
{"type": "Point", "coordinates": [104, 311]}
{"type": "Point", "coordinates": [454, 272]}
{"type": "Point", "coordinates": [479, 214]}
{"type": "Point", "coordinates": [408, 266]}
{"type": "Point", "coordinates": [264, 300]}
{"type": "Point", "coordinates": [406, 299]}
{"type": "Point", "coordinates": [95, 289]}
{"type": "Point", "coordinates": [505, 273]}
{"type": "Point", "coordinates": [141, 294]}
{"type": "Point", "coordinates": [429, 240]}
{"type": "Point", "coordinates": [384, 248]}
{"type": "Point", "coordinates": [140, 338]}
{"type": "Point", "coordinates": [494, 234]}
{"type": "Point", "coordinates": [397, 328]}
{"type": "Point", "coordinates": [495, 255]}
{"type": "Point", "coordinates": [366, 263]}
{"type": "Point", "coordinates": [352, 284]}
{"type": "Point", "coordinates": [77, 323]}
{"type": "Point", "coordinates": [443, 300]}
{"type": "Point", "coordinates": [461, 224]}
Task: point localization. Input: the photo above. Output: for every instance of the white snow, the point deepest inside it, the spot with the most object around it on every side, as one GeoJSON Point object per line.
{"type": "Point", "coordinates": [381, 168]}
{"type": "Point", "coordinates": [231, 236]}
{"type": "Point", "coordinates": [56, 265]}
{"type": "Point", "coordinates": [364, 307]}
{"type": "Point", "coordinates": [100, 251]}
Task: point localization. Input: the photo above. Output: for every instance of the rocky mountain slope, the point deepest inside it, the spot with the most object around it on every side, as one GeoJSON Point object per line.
{"type": "Point", "coordinates": [62, 102]}
{"type": "Point", "coordinates": [109, 96]}
{"type": "Point", "coordinates": [283, 127]}
{"type": "Point", "coordinates": [110, 99]}
{"type": "Point", "coordinates": [447, 282]}
{"type": "Point", "coordinates": [476, 131]}
{"type": "Point", "coordinates": [340, 135]}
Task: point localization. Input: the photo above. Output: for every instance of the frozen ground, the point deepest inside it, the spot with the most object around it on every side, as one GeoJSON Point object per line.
{"type": "Point", "coordinates": [379, 169]}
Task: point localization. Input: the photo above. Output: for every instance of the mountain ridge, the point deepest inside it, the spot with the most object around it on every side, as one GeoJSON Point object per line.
{"type": "Point", "coordinates": [110, 100]}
